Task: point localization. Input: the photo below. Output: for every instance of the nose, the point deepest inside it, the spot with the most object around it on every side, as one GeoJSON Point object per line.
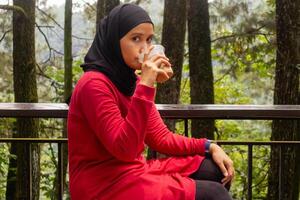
{"type": "Point", "coordinates": [144, 47]}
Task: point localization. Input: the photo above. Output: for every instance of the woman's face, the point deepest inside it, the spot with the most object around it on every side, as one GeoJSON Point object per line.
{"type": "Point", "coordinates": [134, 42]}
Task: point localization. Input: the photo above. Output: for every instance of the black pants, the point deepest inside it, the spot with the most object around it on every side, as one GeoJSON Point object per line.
{"type": "Point", "coordinates": [208, 182]}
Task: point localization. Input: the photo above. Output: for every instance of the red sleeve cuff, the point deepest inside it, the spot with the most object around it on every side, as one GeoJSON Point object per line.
{"type": "Point", "coordinates": [145, 92]}
{"type": "Point", "coordinates": [202, 146]}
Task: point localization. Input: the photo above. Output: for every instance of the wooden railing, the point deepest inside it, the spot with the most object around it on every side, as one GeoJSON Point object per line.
{"type": "Point", "coordinates": [258, 112]}
{"type": "Point", "coordinates": [60, 110]}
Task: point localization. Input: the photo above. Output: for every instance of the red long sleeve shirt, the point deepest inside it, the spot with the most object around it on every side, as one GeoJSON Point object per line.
{"type": "Point", "coordinates": [108, 133]}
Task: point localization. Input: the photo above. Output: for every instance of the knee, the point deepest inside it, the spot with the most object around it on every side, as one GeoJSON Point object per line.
{"type": "Point", "coordinates": [214, 191]}
{"type": "Point", "coordinates": [208, 170]}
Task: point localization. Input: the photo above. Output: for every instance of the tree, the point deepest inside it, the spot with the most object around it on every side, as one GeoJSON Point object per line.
{"type": "Point", "coordinates": [173, 36]}
{"type": "Point", "coordinates": [201, 74]}
{"type": "Point", "coordinates": [103, 8]}
{"type": "Point", "coordinates": [25, 89]}
{"type": "Point", "coordinates": [68, 60]}
{"type": "Point", "coordinates": [286, 91]}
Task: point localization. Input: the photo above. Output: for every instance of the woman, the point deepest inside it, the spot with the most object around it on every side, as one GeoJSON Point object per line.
{"type": "Point", "coordinates": [112, 116]}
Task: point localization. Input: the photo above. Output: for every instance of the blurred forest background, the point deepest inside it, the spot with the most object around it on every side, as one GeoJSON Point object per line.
{"type": "Point", "coordinates": [223, 52]}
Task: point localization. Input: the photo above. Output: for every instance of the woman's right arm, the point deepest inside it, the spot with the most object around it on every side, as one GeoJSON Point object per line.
{"type": "Point", "coordinates": [123, 137]}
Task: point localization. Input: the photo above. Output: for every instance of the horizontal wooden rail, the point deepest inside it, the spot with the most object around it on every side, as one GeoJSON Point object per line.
{"type": "Point", "coordinates": [33, 140]}
{"type": "Point", "coordinates": [223, 142]}
{"type": "Point", "coordinates": [175, 111]}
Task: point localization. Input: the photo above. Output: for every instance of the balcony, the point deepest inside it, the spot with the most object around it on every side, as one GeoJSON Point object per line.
{"type": "Point", "coordinates": [184, 112]}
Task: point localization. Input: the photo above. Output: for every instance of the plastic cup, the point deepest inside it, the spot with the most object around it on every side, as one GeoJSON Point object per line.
{"type": "Point", "coordinates": [158, 49]}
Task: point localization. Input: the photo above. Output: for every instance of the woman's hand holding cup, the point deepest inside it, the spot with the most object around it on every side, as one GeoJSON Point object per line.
{"type": "Point", "coordinates": [156, 60]}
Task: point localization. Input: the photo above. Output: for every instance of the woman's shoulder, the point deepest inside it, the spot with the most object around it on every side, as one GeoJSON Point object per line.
{"type": "Point", "coordinates": [92, 83]}
{"type": "Point", "coordinates": [92, 77]}
{"type": "Point", "coordinates": [93, 80]}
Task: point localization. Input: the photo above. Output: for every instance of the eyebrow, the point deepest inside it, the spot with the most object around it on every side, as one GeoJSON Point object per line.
{"type": "Point", "coordinates": [139, 33]}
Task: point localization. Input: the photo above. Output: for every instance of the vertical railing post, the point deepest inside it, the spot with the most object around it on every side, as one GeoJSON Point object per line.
{"type": "Point", "coordinates": [280, 172]}
{"type": "Point", "coordinates": [250, 154]}
{"type": "Point", "coordinates": [28, 147]}
{"type": "Point", "coordinates": [186, 127]}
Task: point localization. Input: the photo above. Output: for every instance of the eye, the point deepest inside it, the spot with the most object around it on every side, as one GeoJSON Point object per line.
{"type": "Point", "coordinates": [149, 40]}
{"type": "Point", "coordinates": [136, 39]}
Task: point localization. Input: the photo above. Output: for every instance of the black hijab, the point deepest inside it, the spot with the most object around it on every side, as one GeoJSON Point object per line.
{"type": "Point", "coordinates": [105, 53]}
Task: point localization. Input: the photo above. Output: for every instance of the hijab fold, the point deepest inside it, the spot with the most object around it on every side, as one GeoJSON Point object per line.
{"type": "Point", "coordinates": [105, 54]}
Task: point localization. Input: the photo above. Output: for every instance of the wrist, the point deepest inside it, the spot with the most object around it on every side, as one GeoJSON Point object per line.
{"type": "Point", "coordinates": [212, 148]}
{"type": "Point", "coordinates": [207, 146]}
{"type": "Point", "coordinates": [148, 83]}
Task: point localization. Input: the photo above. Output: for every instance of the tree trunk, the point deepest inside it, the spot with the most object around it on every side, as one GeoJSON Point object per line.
{"type": "Point", "coordinates": [68, 77]}
{"type": "Point", "coordinates": [286, 92]}
{"type": "Point", "coordinates": [201, 74]}
{"type": "Point", "coordinates": [25, 89]}
{"type": "Point", "coordinates": [173, 36]}
{"type": "Point", "coordinates": [103, 8]}
{"type": "Point", "coordinates": [68, 60]}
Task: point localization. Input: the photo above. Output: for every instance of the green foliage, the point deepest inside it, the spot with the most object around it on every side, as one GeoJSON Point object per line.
{"type": "Point", "coordinates": [6, 127]}
{"type": "Point", "coordinates": [226, 93]}
{"type": "Point", "coordinates": [56, 81]}
{"type": "Point", "coordinates": [243, 55]}
{"type": "Point", "coordinates": [49, 128]}
{"type": "Point", "coordinates": [47, 171]}
{"type": "Point", "coordinates": [243, 47]}
{"type": "Point", "coordinates": [4, 159]}
{"type": "Point", "coordinates": [185, 86]}
{"type": "Point", "coordinates": [77, 71]}
{"type": "Point", "coordinates": [5, 31]}
{"type": "Point", "coordinates": [246, 130]}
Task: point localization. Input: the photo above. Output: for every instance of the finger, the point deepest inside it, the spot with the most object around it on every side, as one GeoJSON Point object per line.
{"type": "Point", "coordinates": [226, 182]}
{"type": "Point", "coordinates": [162, 72]}
{"type": "Point", "coordinates": [158, 56]}
{"type": "Point", "coordinates": [223, 169]}
{"type": "Point", "coordinates": [224, 179]}
{"type": "Point", "coordinates": [231, 171]}
{"type": "Point", "coordinates": [162, 76]}
{"type": "Point", "coordinates": [169, 71]}
{"type": "Point", "coordinates": [166, 63]}
{"type": "Point", "coordinates": [161, 59]}
{"type": "Point", "coordinates": [167, 66]}
{"type": "Point", "coordinates": [227, 179]}
{"type": "Point", "coordinates": [161, 62]}
{"type": "Point", "coordinates": [230, 168]}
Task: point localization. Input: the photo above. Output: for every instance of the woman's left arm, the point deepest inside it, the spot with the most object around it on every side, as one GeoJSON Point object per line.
{"type": "Point", "coordinates": [161, 139]}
